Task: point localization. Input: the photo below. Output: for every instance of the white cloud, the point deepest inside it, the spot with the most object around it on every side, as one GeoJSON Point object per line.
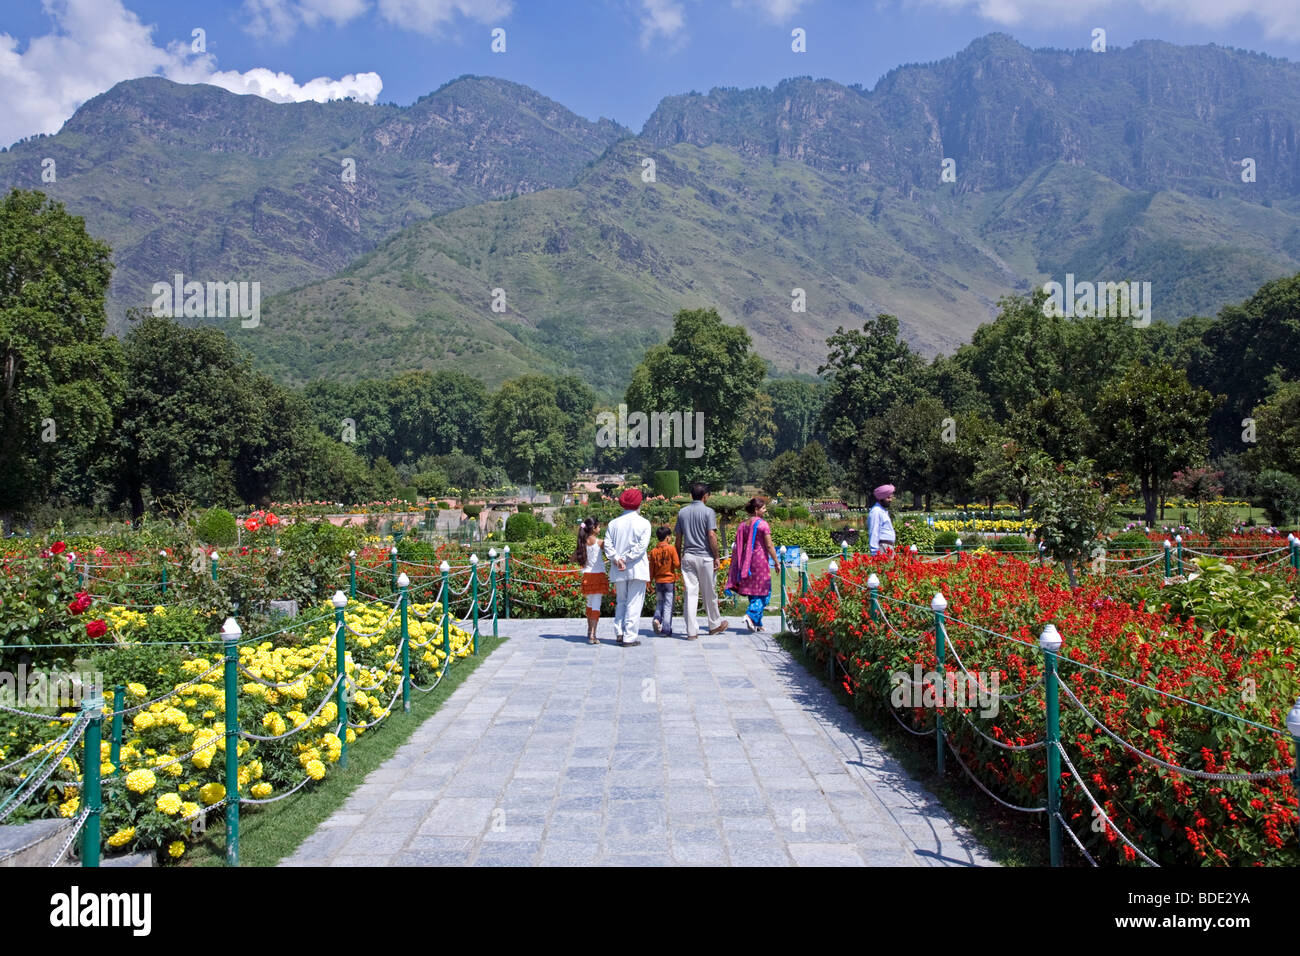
{"type": "Point", "coordinates": [1279, 18]}
{"type": "Point", "coordinates": [98, 43]}
{"type": "Point", "coordinates": [281, 18]}
{"type": "Point", "coordinates": [778, 11]}
{"type": "Point", "coordinates": [661, 18]}
{"type": "Point", "coordinates": [428, 16]}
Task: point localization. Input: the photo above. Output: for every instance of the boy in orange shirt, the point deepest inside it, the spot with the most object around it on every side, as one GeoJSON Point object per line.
{"type": "Point", "coordinates": [664, 564]}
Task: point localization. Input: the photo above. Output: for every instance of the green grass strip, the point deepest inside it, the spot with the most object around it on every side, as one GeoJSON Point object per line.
{"type": "Point", "coordinates": [1012, 839]}
{"type": "Point", "coordinates": [274, 831]}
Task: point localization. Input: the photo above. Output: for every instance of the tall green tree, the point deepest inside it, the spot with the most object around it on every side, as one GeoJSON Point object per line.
{"type": "Point", "coordinates": [196, 421]}
{"type": "Point", "coordinates": [1277, 430]}
{"type": "Point", "coordinates": [1151, 422]}
{"type": "Point", "coordinates": [1022, 355]}
{"type": "Point", "coordinates": [869, 371]}
{"type": "Point", "coordinates": [704, 367]}
{"type": "Point", "coordinates": [60, 377]}
{"type": "Point", "coordinates": [796, 412]}
{"type": "Point", "coordinates": [536, 427]}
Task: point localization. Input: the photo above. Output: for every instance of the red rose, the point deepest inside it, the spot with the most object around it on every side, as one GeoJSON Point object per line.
{"type": "Point", "coordinates": [96, 628]}
{"type": "Point", "coordinates": [80, 604]}
{"type": "Point", "coordinates": [58, 548]}
{"type": "Point", "coordinates": [271, 519]}
{"type": "Point", "coordinates": [251, 524]}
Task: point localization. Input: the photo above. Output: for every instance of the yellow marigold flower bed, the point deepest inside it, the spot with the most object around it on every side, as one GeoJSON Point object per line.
{"type": "Point", "coordinates": [183, 717]}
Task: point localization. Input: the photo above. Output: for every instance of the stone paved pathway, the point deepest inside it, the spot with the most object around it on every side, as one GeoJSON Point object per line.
{"type": "Point", "coordinates": [721, 751]}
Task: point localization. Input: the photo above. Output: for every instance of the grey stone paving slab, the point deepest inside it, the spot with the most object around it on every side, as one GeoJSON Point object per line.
{"type": "Point", "coordinates": [708, 753]}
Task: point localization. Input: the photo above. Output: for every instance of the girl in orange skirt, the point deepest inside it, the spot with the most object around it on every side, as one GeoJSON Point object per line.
{"type": "Point", "coordinates": [590, 553]}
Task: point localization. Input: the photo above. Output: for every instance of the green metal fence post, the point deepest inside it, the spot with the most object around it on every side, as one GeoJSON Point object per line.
{"type": "Point", "coordinates": [392, 553]}
{"type": "Point", "coordinates": [492, 583]}
{"type": "Point", "coordinates": [939, 604]}
{"type": "Point", "coordinates": [403, 582]}
{"type": "Point", "coordinates": [473, 594]}
{"type": "Point", "coordinates": [844, 551]}
{"type": "Point", "coordinates": [873, 586]}
{"type": "Point", "coordinates": [214, 567]}
{"type": "Point", "coordinates": [1050, 642]}
{"type": "Point", "coordinates": [72, 566]}
{"type": "Point", "coordinates": [163, 555]}
{"type": "Point", "coordinates": [93, 709]}
{"type": "Point", "coordinates": [445, 568]}
{"type": "Point", "coordinates": [115, 748]}
{"type": "Point", "coordinates": [1178, 540]}
{"type": "Point", "coordinates": [1168, 550]}
{"type": "Point", "coordinates": [781, 558]}
{"type": "Point", "coordinates": [1295, 550]}
{"type": "Point", "coordinates": [340, 602]}
{"type": "Point", "coordinates": [803, 572]}
{"type": "Point", "coordinates": [958, 545]}
{"type": "Point", "coordinates": [352, 575]}
{"type": "Point", "coordinates": [505, 595]}
{"type": "Point", "coordinates": [230, 634]}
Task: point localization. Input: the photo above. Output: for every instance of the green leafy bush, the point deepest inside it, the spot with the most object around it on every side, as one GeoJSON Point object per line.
{"type": "Point", "coordinates": [1011, 542]}
{"type": "Point", "coordinates": [320, 538]}
{"type": "Point", "coordinates": [914, 531]}
{"type": "Point", "coordinates": [666, 483]}
{"type": "Point", "coordinates": [216, 527]}
{"type": "Point", "coordinates": [520, 527]}
{"type": "Point", "coordinates": [472, 511]}
{"type": "Point", "coordinates": [1134, 542]}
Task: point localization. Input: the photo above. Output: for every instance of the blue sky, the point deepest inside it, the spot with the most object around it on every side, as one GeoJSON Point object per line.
{"type": "Point", "coordinates": [613, 58]}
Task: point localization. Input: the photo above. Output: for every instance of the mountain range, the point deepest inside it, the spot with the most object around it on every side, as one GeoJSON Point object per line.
{"type": "Point", "coordinates": [490, 229]}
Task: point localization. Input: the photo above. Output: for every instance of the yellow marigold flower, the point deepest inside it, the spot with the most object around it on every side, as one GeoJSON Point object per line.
{"type": "Point", "coordinates": [122, 837]}
{"type": "Point", "coordinates": [315, 770]}
{"type": "Point", "coordinates": [143, 720]}
{"type": "Point", "coordinates": [173, 770]}
{"type": "Point", "coordinates": [69, 808]}
{"type": "Point", "coordinates": [261, 791]}
{"type": "Point", "coordinates": [140, 781]}
{"type": "Point", "coordinates": [211, 793]}
{"type": "Point", "coordinates": [169, 803]}
{"type": "Point", "coordinates": [137, 690]}
{"type": "Point", "coordinates": [189, 809]}
{"type": "Point", "coordinates": [106, 769]}
{"type": "Point", "coordinates": [175, 849]}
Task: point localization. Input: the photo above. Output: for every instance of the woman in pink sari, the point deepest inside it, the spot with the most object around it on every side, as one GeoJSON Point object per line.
{"type": "Point", "coordinates": [749, 574]}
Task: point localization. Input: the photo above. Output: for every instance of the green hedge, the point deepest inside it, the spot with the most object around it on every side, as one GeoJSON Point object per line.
{"type": "Point", "coordinates": [217, 527]}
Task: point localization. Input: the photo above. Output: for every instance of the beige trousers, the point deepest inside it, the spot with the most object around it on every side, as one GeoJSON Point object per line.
{"type": "Point", "coordinates": [697, 572]}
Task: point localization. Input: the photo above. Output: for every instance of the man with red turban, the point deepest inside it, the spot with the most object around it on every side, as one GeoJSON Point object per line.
{"type": "Point", "coordinates": [627, 540]}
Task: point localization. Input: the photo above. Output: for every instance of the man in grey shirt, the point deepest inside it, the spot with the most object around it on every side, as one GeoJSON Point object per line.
{"type": "Point", "coordinates": [696, 536]}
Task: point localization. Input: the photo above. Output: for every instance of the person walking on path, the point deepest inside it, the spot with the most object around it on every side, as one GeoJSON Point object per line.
{"type": "Point", "coordinates": [664, 564]}
{"type": "Point", "coordinates": [594, 581]}
{"type": "Point", "coordinates": [697, 543]}
{"type": "Point", "coordinates": [749, 574]}
{"type": "Point", "coordinates": [627, 541]}
{"type": "Point", "coordinates": [880, 528]}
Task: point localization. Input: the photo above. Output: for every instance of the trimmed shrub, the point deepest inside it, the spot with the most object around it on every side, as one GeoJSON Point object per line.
{"type": "Point", "coordinates": [666, 483]}
{"type": "Point", "coordinates": [524, 508]}
{"type": "Point", "coordinates": [1011, 542]}
{"type": "Point", "coordinates": [520, 527]}
{"type": "Point", "coordinates": [914, 531]}
{"type": "Point", "coordinates": [217, 527]}
{"type": "Point", "coordinates": [1135, 541]}
{"type": "Point", "coordinates": [472, 511]}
